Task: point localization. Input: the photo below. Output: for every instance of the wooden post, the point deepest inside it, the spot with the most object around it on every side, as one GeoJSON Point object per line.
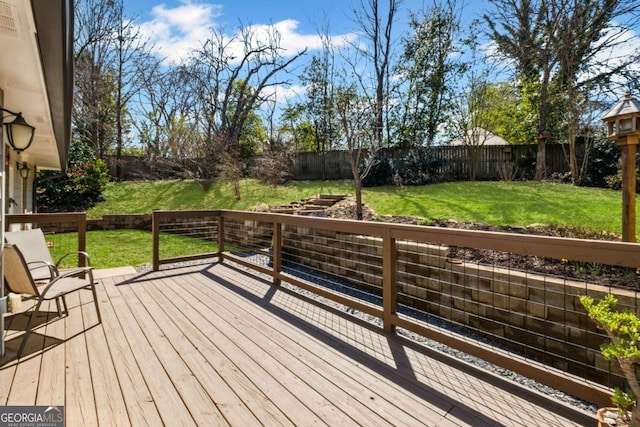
{"type": "Point", "coordinates": [389, 281]}
{"type": "Point", "coordinates": [82, 238]}
{"type": "Point", "coordinates": [628, 145]}
{"type": "Point", "coordinates": [623, 126]}
{"type": "Point", "coordinates": [220, 237]}
{"type": "Point", "coordinates": [155, 226]}
{"type": "Point", "coordinates": [277, 252]}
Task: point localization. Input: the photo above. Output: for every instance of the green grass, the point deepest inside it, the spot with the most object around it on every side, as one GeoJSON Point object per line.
{"type": "Point", "coordinates": [144, 197]}
{"type": "Point", "coordinates": [503, 203]}
{"type": "Point", "coordinates": [115, 248]}
{"type": "Point", "coordinates": [494, 203]}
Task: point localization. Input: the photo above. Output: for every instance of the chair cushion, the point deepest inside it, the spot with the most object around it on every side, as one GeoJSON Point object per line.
{"type": "Point", "coordinates": [16, 276]}
{"type": "Point", "coordinates": [33, 246]}
{"type": "Point", "coordinates": [64, 286]}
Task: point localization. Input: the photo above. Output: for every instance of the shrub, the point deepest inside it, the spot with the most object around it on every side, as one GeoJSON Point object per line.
{"type": "Point", "coordinates": [78, 188]}
{"type": "Point", "coordinates": [381, 172]}
{"type": "Point", "coordinates": [273, 167]}
{"type": "Point", "coordinates": [420, 167]}
{"type": "Point", "coordinates": [623, 330]}
{"type": "Point", "coordinates": [604, 164]}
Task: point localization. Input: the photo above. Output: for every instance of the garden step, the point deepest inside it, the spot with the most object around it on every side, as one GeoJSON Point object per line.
{"type": "Point", "coordinates": [323, 202]}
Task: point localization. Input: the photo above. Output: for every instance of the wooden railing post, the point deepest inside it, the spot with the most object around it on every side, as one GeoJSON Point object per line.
{"type": "Point", "coordinates": [155, 226]}
{"type": "Point", "coordinates": [277, 252]}
{"type": "Point", "coordinates": [220, 236]}
{"type": "Point", "coordinates": [82, 237]}
{"type": "Point", "coordinates": [389, 281]}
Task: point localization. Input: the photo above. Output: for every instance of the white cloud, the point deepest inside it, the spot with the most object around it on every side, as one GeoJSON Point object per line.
{"type": "Point", "coordinates": [292, 41]}
{"type": "Point", "coordinates": [177, 31]}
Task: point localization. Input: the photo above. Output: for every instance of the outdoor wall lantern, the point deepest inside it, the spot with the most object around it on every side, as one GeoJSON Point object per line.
{"type": "Point", "coordinates": [24, 170]}
{"type": "Point", "coordinates": [623, 126]}
{"type": "Point", "coordinates": [19, 132]}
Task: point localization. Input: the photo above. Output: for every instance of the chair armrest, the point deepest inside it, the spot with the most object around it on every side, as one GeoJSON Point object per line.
{"type": "Point", "coordinates": [82, 254]}
{"type": "Point", "coordinates": [70, 273]}
{"type": "Point", "coordinates": [53, 270]}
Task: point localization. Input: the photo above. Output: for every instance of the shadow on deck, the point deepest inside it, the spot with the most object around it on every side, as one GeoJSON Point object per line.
{"type": "Point", "coordinates": [211, 345]}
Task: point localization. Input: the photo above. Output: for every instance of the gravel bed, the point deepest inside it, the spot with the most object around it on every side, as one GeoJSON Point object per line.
{"type": "Point", "coordinates": [330, 283]}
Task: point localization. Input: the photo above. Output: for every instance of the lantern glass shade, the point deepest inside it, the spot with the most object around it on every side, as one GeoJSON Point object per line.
{"type": "Point", "coordinates": [24, 170]}
{"type": "Point", "coordinates": [625, 125]}
{"type": "Point", "coordinates": [19, 133]}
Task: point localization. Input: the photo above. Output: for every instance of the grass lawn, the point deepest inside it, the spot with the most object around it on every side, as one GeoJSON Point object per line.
{"type": "Point", "coordinates": [494, 203]}
{"type": "Point", "coordinates": [117, 248]}
{"type": "Point", "coordinates": [503, 203]}
{"type": "Point", "coordinates": [145, 196]}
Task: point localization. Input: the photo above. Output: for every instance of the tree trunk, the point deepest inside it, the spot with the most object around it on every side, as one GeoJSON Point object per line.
{"type": "Point", "coordinates": [358, 185]}
{"type": "Point", "coordinates": [541, 157]}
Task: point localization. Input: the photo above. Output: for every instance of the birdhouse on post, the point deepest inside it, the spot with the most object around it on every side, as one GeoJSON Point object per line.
{"type": "Point", "coordinates": [623, 126]}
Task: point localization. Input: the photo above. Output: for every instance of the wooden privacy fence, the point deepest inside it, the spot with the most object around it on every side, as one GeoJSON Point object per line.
{"type": "Point", "coordinates": [454, 162]}
{"type": "Point", "coordinates": [410, 277]}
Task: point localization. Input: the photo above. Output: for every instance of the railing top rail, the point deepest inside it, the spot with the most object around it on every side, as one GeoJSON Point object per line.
{"type": "Point", "coordinates": [185, 214]}
{"type": "Point", "coordinates": [62, 217]}
{"type": "Point", "coordinates": [621, 254]}
{"type": "Point", "coordinates": [332, 224]}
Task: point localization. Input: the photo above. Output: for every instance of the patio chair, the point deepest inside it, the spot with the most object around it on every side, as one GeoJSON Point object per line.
{"type": "Point", "coordinates": [34, 248]}
{"type": "Point", "coordinates": [19, 279]}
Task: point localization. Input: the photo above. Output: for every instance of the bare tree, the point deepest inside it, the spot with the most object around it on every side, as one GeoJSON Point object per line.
{"type": "Point", "coordinates": [234, 75]}
{"type": "Point", "coordinates": [166, 125]}
{"type": "Point", "coordinates": [376, 22]}
{"type": "Point", "coordinates": [581, 67]}
{"type": "Point", "coordinates": [111, 63]}
{"type": "Point", "coordinates": [93, 115]}
{"type": "Point", "coordinates": [359, 136]}
{"type": "Point", "coordinates": [132, 59]}
{"type": "Point", "coordinates": [552, 42]}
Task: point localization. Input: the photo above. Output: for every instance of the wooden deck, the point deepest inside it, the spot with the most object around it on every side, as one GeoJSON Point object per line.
{"type": "Point", "coordinates": [208, 345]}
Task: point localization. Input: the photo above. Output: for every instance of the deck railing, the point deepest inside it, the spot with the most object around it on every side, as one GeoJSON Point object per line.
{"type": "Point", "coordinates": [453, 286]}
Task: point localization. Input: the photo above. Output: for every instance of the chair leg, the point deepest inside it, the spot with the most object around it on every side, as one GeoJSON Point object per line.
{"type": "Point", "coordinates": [64, 303]}
{"type": "Point", "coordinates": [58, 307]}
{"type": "Point", "coordinates": [29, 325]}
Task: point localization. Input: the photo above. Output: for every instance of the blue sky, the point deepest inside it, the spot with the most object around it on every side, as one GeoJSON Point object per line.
{"type": "Point", "coordinates": [175, 26]}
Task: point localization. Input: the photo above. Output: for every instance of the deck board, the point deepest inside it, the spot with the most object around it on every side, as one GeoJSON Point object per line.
{"type": "Point", "coordinates": [51, 375]}
{"type": "Point", "coordinates": [80, 404]}
{"type": "Point", "coordinates": [156, 378]}
{"type": "Point", "coordinates": [210, 345]}
{"type": "Point", "coordinates": [235, 394]}
{"type": "Point", "coordinates": [317, 357]}
{"type": "Point", "coordinates": [307, 381]}
{"type": "Point", "coordinates": [141, 409]}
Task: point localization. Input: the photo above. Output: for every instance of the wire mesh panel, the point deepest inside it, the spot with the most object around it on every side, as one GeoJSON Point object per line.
{"type": "Point", "coordinates": [526, 305]}
{"type": "Point", "coordinates": [185, 235]}
{"type": "Point", "coordinates": [249, 240]}
{"type": "Point", "coordinates": [347, 263]}
{"type": "Point", "coordinates": [513, 300]}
